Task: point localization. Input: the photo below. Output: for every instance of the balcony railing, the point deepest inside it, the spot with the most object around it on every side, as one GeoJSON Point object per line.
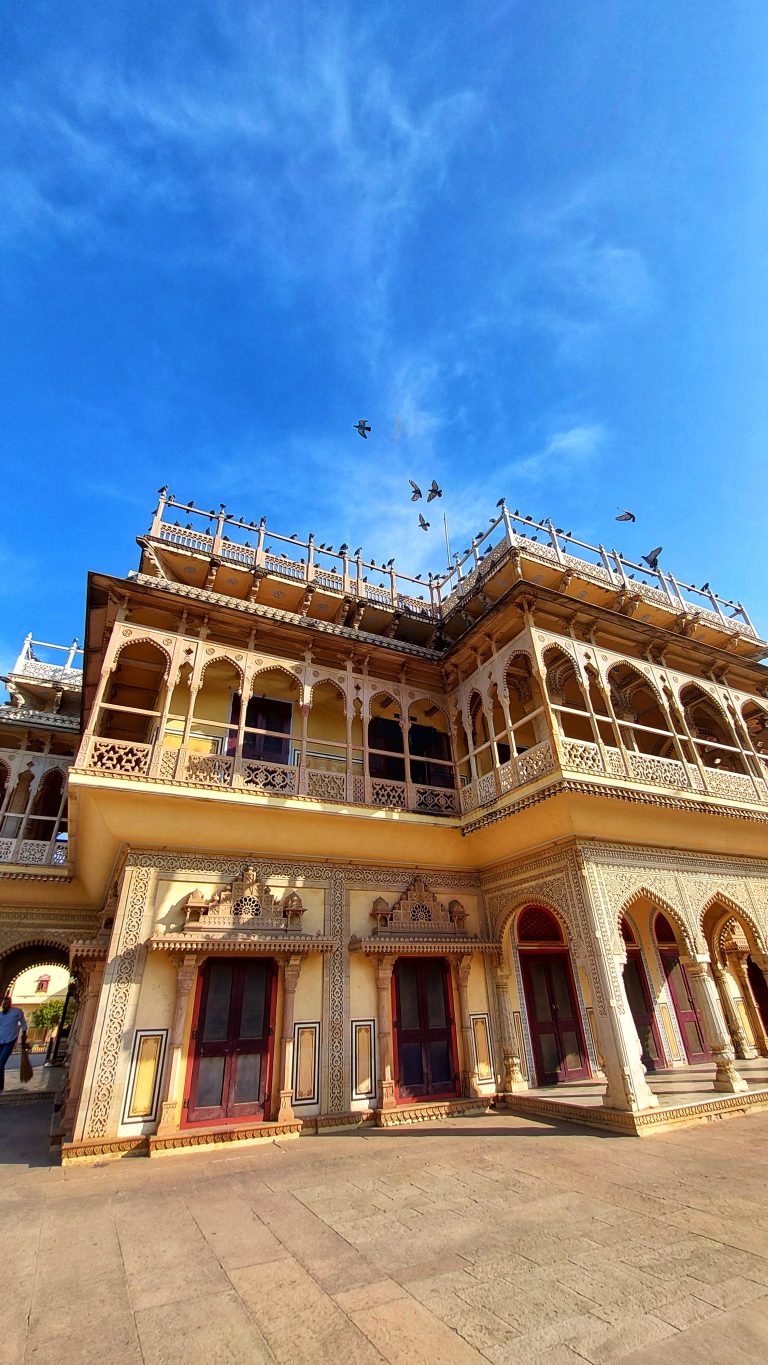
{"type": "Point", "coordinates": [34, 852]}
{"type": "Point", "coordinates": [153, 762]}
{"type": "Point", "coordinates": [122, 758]}
{"type": "Point", "coordinates": [580, 756]}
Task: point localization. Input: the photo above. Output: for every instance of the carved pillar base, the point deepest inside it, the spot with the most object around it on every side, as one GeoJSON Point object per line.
{"type": "Point", "coordinates": [513, 1080]}
{"type": "Point", "coordinates": [386, 1095]}
{"type": "Point", "coordinates": [285, 1113]}
{"type": "Point", "coordinates": [169, 1117]}
{"type": "Point", "coordinates": [727, 1077]}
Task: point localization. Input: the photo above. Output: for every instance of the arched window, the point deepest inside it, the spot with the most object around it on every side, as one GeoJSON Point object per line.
{"type": "Point", "coordinates": [537, 925]}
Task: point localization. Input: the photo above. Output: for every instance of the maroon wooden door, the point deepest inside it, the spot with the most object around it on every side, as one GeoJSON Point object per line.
{"type": "Point", "coordinates": [558, 1041]}
{"type": "Point", "coordinates": [425, 1039]}
{"type": "Point", "coordinates": [233, 1033]}
{"type": "Point", "coordinates": [641, 1009]}
{"type": "Point", "coordinates": [759, 990]}
{"type": "Point", "coordinates": [696, 1049]}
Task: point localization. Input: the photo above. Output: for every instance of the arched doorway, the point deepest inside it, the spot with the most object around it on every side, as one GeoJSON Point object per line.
{"type": "Point", "coordinates": [640, 1000]}
{"type": "Point", "coordinates": [426, 1060]}
{"type": "Point", "coordinates": [20, 959]}
{"type": "Point", "coordinates": [559, 1049]}
{"type": "Point", "coordinates": [676, 977]}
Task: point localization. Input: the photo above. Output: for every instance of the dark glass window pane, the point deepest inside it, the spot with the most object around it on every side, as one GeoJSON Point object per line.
{"type": "Point", "coordinates": [435, 992]}
{"type": "Point", "coordinates": [540, 992]}
{"type": "Point", "coordinates": [549, 1053]}
{"type": "Point", "coordinates": [411, 1064]}
{"type": "Point", "coordinates": [408, 995]}
{"type": "Point", "coordinates": [248, 1078]}
{"type": "Point", "coordinates": [561, 989]}
{"type": "Point", "coordinates": [440, 1062]}
{"type": "Point", "coordinates": [254, 1000]}
{"type": "Point", "coordinates": [210, 1078]}
{"type": "Point", "coordinates": [384, 733]}
{"type": "Point", "coordinates": [571, 1049]}
{"type": "Point", "coordinates": [216, 1025]}
{"type": "Point", "coordinates": [425, 742]}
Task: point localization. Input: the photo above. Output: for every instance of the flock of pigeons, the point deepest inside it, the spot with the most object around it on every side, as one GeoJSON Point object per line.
{"type": "Point", "coordinates": [651, 559]}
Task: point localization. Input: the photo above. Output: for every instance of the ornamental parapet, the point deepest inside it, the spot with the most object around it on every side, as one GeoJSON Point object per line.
{"type": "Point", "coordinates": [239, 941]}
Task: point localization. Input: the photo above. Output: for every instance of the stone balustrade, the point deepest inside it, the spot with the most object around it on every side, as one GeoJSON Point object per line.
{"type": "Point", "coordinates": [154, 762]}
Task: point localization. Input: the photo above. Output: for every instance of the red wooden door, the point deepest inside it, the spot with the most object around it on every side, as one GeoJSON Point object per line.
{"type": "Point", "coordinates": [556, 1033]}
{"type": "Point", "coordinates": [759, 990]}
{"type": "Point", "coordinates": [696, 1049]}
{"type": "Point", "coordinates": [641, 1009]}
{"type": "Point", "coordinates": [233, 1033]}
{"type": "Point", "coordinates": [424, 1028]}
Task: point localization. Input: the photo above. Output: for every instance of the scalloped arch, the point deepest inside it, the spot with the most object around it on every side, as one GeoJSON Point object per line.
{"type": "Point", "coordinates": [275, 668]}
{"type": "Point", "coordinates": [649, 682]}
{"type": "Point", "coordinates": [220, 658]}
{"type": "Point", "coordinates": [705, 696]}
{"type": "Point", "coordinates": [656, 903]}
{"type": "Point", "coordinates": [732, 909]}
{"type": "Point", "coordinates": [507, 921]}
{"type": "Point", "coordinates": [380, 692]}
{"type": "Point", "coordinates": [143, 640]}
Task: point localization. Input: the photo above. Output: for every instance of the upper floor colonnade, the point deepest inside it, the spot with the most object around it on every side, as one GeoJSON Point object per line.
{"type": "Point", "coordinates": [180, 708]}
{"type": "Point", "coordinates": [188, 710]}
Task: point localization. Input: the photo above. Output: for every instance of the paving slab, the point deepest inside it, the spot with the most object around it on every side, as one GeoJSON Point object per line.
{"type": "Point", "coordinates": [515, 1243]}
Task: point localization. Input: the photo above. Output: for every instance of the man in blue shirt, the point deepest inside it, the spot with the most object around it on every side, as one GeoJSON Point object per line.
{"type": "Point", "coordinates": [12, 1022]}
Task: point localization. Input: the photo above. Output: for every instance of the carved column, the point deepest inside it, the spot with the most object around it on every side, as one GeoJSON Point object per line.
{"type": "Point", "coordinates": [742, 976]}
{"type": "Point", "coordinates": [186, 975]}
{"type": "Point", "coordinates": [741, 1043]}
{"type": "Point", "coordinates": [504, 702]}
{"type": "Point", "coordinates": [291, 973]}
{"type": "Point", "coordinates": [713, 1024]}
{"type": "Point", "coordinates": [86, 1015]}
{"type": "Point", "coordinates": [512, 1078]}
{"type": "Point", "coordinates": [469, 1085]}
{"type": "Point", "coordinates": [305, 709]}
{"type": "Point", "coordinates": [384, 968]}
{"type": "Point", "coordinates": [620, 1046]}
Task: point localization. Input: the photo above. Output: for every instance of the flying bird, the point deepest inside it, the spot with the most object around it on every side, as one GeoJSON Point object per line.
{"type": "Point", "coordinates": [434, 491]}
{"type": "Point", "coordinates": [416, 494]}
{"type": "Point", "coordinates": [362, 428]}
{"type": "Point", "coordinates": [652, 559]}
{"type": "Point", "coordinates": [627, 516]}
{"type": "Point", "coordinates": [422, 523]}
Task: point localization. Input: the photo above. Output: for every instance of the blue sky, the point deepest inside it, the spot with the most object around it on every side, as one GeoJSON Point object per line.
{"type": "Point", "coordinates": [527, 241]}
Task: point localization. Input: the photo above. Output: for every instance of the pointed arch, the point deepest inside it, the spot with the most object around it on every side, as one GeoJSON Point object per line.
{"type": "Point", "coordinates": [656, 904]}
{"type": "Point", "coordinates": [711, 922]}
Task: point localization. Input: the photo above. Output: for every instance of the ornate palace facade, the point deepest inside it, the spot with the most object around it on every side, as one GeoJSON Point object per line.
{"type": "Point", "coordinates": [327, 845]}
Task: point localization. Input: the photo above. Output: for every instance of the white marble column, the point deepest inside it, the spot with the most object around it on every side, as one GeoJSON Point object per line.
{"type": "Point", "coordinates": [469, 1085]}
{"type": "Point", "coordinates": [291, 973]}
{"type": "Point", "coordinates": [713, 1025]}
{"type": "Point", "coordinates": [384, 969]}
{"type": "Point", "coordinates": [512, 1078]}
{"type": "Point", "coordinates": [186, 975]}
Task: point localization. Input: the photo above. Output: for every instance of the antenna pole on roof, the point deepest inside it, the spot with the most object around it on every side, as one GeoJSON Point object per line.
{"type": "Point", "coordinates": [447, 543]}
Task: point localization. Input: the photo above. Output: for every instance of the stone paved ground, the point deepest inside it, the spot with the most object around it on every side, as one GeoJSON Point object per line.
{"type": "Point", "coordinates": [494, 1239]}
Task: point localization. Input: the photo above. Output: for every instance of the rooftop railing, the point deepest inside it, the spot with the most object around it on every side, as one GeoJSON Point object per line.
{"type": "Point", "coordinates": [251, 545]}
{"type": "Point", "coordinates": [33, 663]}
